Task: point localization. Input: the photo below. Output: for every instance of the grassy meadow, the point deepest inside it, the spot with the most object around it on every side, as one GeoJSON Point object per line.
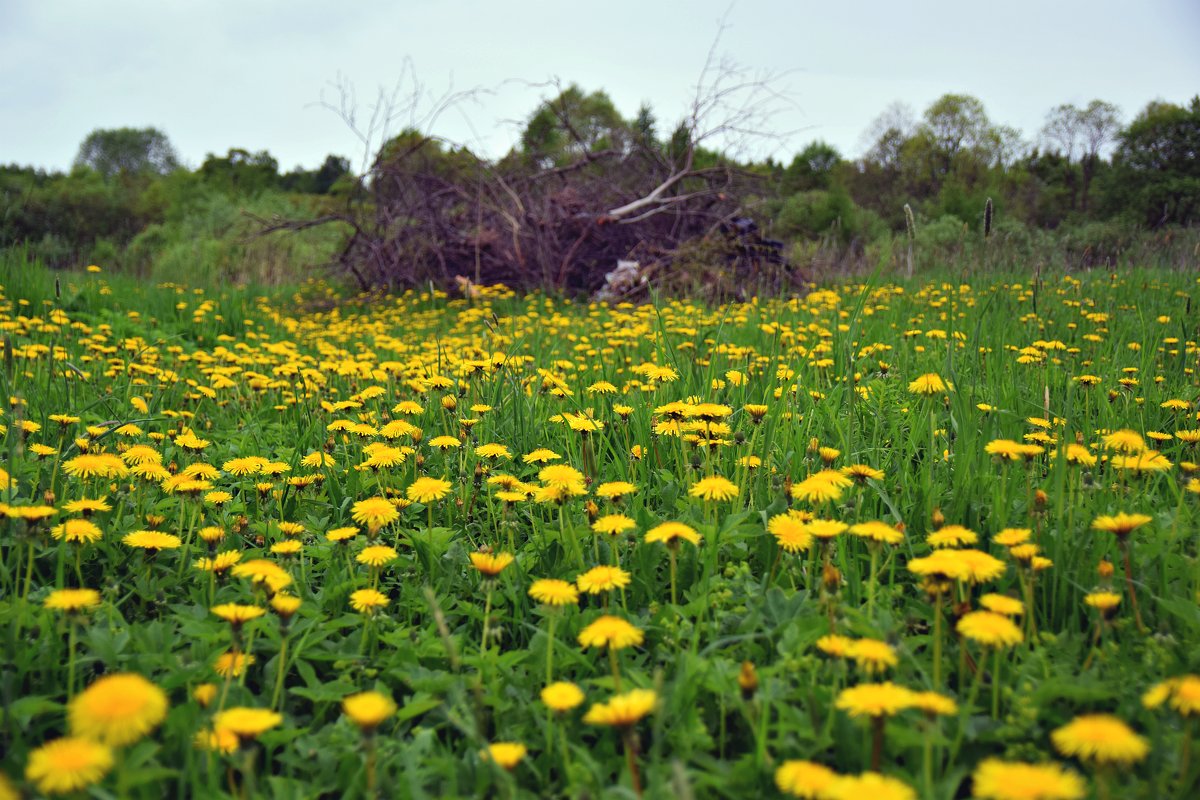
{"type": "Point", "coordinates": [933, 539]}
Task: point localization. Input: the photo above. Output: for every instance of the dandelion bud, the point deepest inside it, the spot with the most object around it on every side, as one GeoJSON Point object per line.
{"type": "Point", "coordinates": [748, 680]}
{"type": "Point", "coordinates": [449, 402]}
{"type": "Point", "coordinates": [204, 693]}
{"type": "Point", "coordinates": [814, 445]}
{"type": "Point", "coordinates": [938, 519]}
{"type": "Point", "coordinates": [240, 524]}
{"type": "Point", "coordinates": [48, 497]}
{"type": "Point", "coordinates": [1105, 569]}
{"type": "Point", "coordinates": [831, 578]}
{"type": "Point", "coordinates": [592, 510]}
{"type": "Point", "coordinates": [1040, 500]}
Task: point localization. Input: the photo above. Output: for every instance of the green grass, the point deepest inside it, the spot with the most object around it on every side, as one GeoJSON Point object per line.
{"type": "Point", "coordinates": [257, 373]}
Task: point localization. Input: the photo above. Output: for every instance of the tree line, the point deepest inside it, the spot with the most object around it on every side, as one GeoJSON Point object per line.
{"type": "Point", "coordinates": [585, 187]}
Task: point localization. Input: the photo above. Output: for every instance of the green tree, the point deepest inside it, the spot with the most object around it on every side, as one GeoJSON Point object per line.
{"type": "Point", "coordinates": [240, 171]}
{"type": "Point", "coordinates": [812, 168]}
{"type": "Point", "coordinates": [574, 125]}
{"type": "Point", "coordinates": [1156, 169]}
{"type": "Point", "coordinates": [130, 151]}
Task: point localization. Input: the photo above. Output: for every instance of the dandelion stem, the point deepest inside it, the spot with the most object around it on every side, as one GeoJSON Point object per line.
{"type": "Point", "coordinates": [1185, 752]}
{"type": "Point", "coordinates": [71, 660]}
{"type": "Point", "coordinates": [631, 759]}
{"type": "Point", "coordinates": [487, 611]}
{"type": "Point", "coordinates": [877, 725]}
{"type": "Point", "coordinates": [671, 556]}
{"type": "Point", "coordinates": [996, 686]}
{"type": "Point", "coordinates": [550, 648]}
{"type": "Point", "coordinates": [279, 675]}
{"type": "Point", "coordinates": [871, 579]}
{"type": "Point", "coordinates": [1137, 613]}
{"type": "Point", "coordinates": [937, 642]}
{"type": "Point", "coordinates": [616, 668]}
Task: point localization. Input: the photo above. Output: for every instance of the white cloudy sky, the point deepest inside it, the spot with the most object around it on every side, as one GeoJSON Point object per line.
{"type": "Point", "coordinates": [216, 74]}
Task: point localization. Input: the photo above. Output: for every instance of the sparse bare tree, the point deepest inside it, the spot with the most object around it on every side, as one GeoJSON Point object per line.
{"type": "Point", "coordinates": [584, 190]}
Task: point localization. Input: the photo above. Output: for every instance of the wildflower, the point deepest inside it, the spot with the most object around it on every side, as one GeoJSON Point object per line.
{"type": "Point", "coordinates": [613, 524]}
{"type": "Point", "coordinates": [928, 384]}
{"type": "Point", "coordinates": [76, 530]}
{"type": "Point", "coordinates": [1002, 604]}
{"type": "Point", "coordinates": [289, 547]}
{"type": "Point", "coordinates": [85, 506]}
{"type": "Point", "coordinates": [821, 487]}
{"type": "Point", "coordinates": [541, 455]}
{"type": "Point", "coordinates": [978, 566]}
{"type": "Point", "coordinates": [874, 699]}
{"type": "Point", "coordinates": [1182, 694]}
{"type": "Point", "coordinates": [826, 528]}
{"type": "Point", "coordinates": [622, 710]}
{"type": "Point", "coordinates": [602, 579]}
{"type": "Point", "coordinates": [263, 571]}
{"type": "Point", "coordinates": [562, 696]}
{"type": "Point", "coordinates": [1104, 602]}
{"type": "Point", "coordinates": [232, 663]}
{"type": "Point", "coordinates": [669, 533]}
{"type": "Point", "coordinates": [714, 489]}
{"type": "Point", "coordinates": [561, 476]}
{"type": "Point", "coordinates": [1145, 461]}
{"type": "Point", "coordinates": [615, 490]}
{"type": "Point", "coordinates": [1124, 441]}
{"type": "Point", "coordinates": [221, 562]}
{"type": "Point", "coordinates": [72, 600]}
{"type": "Point", "coordinates": [869, 784]}
{"type": "Point", "coordinates": [790, 533]}
{"type": "Point", "coordinates": [152, 540]}
{"type": "Point", "coordinates": [490, 565]}
{"type": "Point", "coordinates": [990, 629]}
{"type": "Point", "coordinates": [505, 754]}
{"type": "Point", "coordinates": [117, 709]}
{"type": "Point", "coordinates": [368, 710]}
{"type": "Point", "coordinates": [934, 703]}
{"type": "Point", "coordinates": [941, 564]}
{"type": "Point", "coordinates": [877, 531]}
{"type": "Point", "coordinates": [1004, 449]}
{"type": "Point", "coordinates": [1100, 739]}
{"type": "Point", "coordinates": [237, 615]}
{"type": "Point", "coordinates": [247, 723]}
{"type": "Point", "coordinates": [1013, 780]}
{"type": "Point", "coordinates": [835, 645]}
{"type": "Point", "coordinates": [98, 465]}
{"type": "Point", "coordinates": [205, 693]}
{"type": "Point", "coordinates": [374, 512]}
{"type": "Point", "coordinates": [68, 765]}
{"type": "Point", "coordinates": [1010, 537]}
{"type": "Point", "coordinates": [610, 631]}
{"type": "Point", "coordinates": [872, 655]}
{"type": "Point", "coordinates": [804, 779]}
{"type": "Point", "coordinates": [341, 535]}
{"type": "Point", "coordinates": [952, 536]}
{"type": "Point", "coordinates": [426, 490]}
{"type": "Point", "coordinates": [365, 601]}
{"type": "Point", "coordinates": [554, 592]}
{"type": "Point", "coordinates": [377, 555]}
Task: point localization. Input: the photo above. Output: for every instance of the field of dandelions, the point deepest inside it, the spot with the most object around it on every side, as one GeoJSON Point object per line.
{"type": "Point", "coordinates": [881, 541]}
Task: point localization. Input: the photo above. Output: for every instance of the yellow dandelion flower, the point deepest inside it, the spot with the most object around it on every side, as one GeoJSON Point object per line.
{"type": "Point", "coordinates": [1100, 739]}
{"type": "Point", "coordinates": [68, 765]}
{"type": "Point", "coordinates": [117, 709]}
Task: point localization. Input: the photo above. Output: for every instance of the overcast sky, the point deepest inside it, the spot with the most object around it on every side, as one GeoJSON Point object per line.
{"type": "Point", "coordinates": [215, 74]}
